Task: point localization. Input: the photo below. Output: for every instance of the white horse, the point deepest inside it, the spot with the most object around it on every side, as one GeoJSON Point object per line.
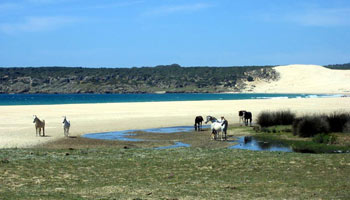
{"type": "Point", "coordinates": [66, 126]}
{"type": "Point", "coordinates": [39, 125]}
{"type": "Point", "coordinates": [216, 127]}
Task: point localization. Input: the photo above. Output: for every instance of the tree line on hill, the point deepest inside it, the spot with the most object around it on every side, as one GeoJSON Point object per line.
{"type": "Point", "coordinates": [345, 66]}
{"type": "Point", "coordinates": [162, 78]}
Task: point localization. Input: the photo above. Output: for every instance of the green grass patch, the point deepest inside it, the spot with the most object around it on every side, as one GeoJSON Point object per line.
{"type": "Point", "coordinates": [325, 143]}
{"type": "Point", "coordinates": [186, 173]}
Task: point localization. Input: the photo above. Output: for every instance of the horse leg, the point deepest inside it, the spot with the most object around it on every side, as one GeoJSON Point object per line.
{"type": "Point", "coordinates": [214, 134]}
{"type": "Point", "coordinates": [43, 131]}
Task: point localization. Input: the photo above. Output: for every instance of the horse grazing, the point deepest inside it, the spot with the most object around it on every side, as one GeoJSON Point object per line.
{"type": "Point", "coordinates": [66, 126]}
{"type": "Point", "coordinates": [198, 123]}
{"type": "Point", "coordinates": [216, 127]}
{"type": "Point", "coordinates": [248, 116]}
{"type": "Point", "coordinates": [39, 125]}
{"type": "Point", "coordinates": [241, 116]}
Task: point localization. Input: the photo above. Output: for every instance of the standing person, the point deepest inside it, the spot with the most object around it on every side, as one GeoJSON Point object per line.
{"type": "Point", "coordinates": [224, 124]}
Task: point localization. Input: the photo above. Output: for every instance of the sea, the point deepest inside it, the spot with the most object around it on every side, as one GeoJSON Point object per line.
{"type": "Point", "coordinates": [51, 99]}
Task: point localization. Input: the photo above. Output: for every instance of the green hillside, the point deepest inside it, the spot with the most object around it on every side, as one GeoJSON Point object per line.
{"type": "Point", "coordinates": [164, 78]}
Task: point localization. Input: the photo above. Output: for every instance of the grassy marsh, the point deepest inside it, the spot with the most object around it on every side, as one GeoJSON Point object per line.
{"type": "Point", "coordinates": [77, 169]}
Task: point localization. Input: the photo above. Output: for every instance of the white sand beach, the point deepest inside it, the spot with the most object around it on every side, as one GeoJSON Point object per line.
{"type": "Point", "coordinates": [17, 128]}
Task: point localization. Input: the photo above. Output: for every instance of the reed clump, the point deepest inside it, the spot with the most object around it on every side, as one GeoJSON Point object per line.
{"type": "Point", "coordinates": [282, 117]}
{"type": "Point", "coordinates": [307, 125]}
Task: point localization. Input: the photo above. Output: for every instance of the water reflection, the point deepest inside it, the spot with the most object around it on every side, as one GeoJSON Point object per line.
{"type": "Point", "coordinates": [116, 135]}
{"type": "Point", "coordinates": [176, 145]}
{"type": "Point", "coordinates": [245, 142]}
{"type": "Point", "coordinates": [251, 143]}
{"type": "Point", "coordinates": [123, 135]}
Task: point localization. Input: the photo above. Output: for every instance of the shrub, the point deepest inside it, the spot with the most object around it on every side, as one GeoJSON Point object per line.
{"type": "Point", "coordinates": [309, 126]}
{"type": "Point", "coordinates": [338, 121]}
{"type": "Point", "coordinates": [295, 125]}
{"type": "Point", "coordinates": [324, 138]}
{"type": "Point", "coordinates": [284, 117]}
{"type": "Point", "coordinates": [265, 119]}
{"type": "Point", "coordinates": [346, 128]}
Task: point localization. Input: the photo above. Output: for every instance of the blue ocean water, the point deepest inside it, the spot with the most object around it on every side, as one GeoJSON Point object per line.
{"type": "Point", "coordinates": [49, 99]}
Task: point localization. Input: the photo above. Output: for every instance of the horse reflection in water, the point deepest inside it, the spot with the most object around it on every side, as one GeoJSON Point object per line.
{"type": "Point", "coordinates": [251, 143]}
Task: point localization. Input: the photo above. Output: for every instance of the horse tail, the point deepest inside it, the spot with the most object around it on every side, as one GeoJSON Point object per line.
{"type": "Point", "coordinates": [44, 122]}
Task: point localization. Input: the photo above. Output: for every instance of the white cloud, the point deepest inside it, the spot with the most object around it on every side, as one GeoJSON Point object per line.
{"type": "Point", "coordinates": [37, 24]}
{"type": "Point", "coordinates": [322, 17]}
{"type": "Point", "coordinates": [170, 9]}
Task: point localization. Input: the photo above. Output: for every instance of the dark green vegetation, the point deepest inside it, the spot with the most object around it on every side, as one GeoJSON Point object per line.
{"type": "Point", "coordinates": [283, 117]}
{"type": "Point", "coordinates": [190, 173]}
{"type": "Point", "coordinates": [320, 143]}
{"type": "Point", "coordinates": [309, 126]}
{"type": "Point", "coordinates": [345, 66]}
{"type": "Point", "coordinates": [165, 78]}
{"type": "Point", "coordinates": [310, 133]}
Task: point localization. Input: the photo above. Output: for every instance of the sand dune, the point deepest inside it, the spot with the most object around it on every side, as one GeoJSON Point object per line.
{"type": "Point", "coordinates": [304, 79]}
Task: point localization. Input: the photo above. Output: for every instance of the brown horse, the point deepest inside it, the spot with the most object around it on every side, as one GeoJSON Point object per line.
{"type": "Point", "coordinates": [39, 125]}
{"type": "Point", "coordinates": [248, 116]}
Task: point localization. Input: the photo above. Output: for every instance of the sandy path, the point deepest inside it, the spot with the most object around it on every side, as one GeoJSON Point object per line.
{"type": "Point", "coordinates": [17, 129]}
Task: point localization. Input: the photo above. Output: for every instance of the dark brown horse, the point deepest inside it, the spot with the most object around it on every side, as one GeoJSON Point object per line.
{"type": "Point", "coordinates": [248, 116]}
{"type": "Point", "coordinates": [198, 123]}
{"type": "Point", "coordinates": [241, 116]}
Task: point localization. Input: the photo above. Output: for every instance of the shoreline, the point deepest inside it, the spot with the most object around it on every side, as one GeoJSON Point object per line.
{"type": "Point", "coordinates": [98, 101]}
{"type": "Point", "coordinates": [17, 129]}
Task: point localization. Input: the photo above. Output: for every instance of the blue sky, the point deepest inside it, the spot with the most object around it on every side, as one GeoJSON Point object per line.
{"type": "Point", "coordinates": [127, 33]}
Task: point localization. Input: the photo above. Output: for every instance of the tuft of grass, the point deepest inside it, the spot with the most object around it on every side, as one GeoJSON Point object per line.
{"type": "Point", "coordinates": [309, 126]}
{"type": "Point", "coordinates": [338, 121]}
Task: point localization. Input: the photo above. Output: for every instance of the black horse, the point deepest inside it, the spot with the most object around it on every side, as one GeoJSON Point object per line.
{"type": "Point", "coordinates": [198, 123]}
{"type": "Point", "coordinates": [247, 116]}
{"type": "Point", "coordinates": [241, 116]}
